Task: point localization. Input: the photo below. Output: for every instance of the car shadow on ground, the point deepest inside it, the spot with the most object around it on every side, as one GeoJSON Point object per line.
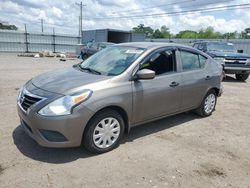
{"type": "Point", "coordinates": [31, 149]}
{"type": "Point", "coordinates": [232, 79]}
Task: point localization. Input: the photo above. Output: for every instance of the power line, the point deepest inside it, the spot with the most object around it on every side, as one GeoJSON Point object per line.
{"type": "Point", "coordinates": [198, 5]}
{"type": "Point", "coordinates": [212, 9]}
{"type": "Point", "coordinates": [162, 5]}
{"type": "Point", "coordinates": [175, 3]}
{"type": "Point", "coordinates": [203, 4]}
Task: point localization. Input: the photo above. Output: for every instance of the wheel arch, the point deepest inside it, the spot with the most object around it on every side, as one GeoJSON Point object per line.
{"type": "Point", "coordinates": [118, 109]}
{"type": "Point", "coordinates": [217, 90]}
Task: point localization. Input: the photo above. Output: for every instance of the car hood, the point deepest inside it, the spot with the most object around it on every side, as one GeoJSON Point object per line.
{"type": "Point", "coordinates": [63, 81]}
{"type": "Point", "coordinates": [229, 54]}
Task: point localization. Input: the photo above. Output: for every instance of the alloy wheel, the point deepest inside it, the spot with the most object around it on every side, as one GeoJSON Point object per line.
{"type": "Point", "coordinates": [209, 103]}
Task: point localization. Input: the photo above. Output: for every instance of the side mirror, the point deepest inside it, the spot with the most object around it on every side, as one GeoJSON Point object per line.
{"type": "Point", "coordinates": [240, 51]}
{"type": "Point", "coordinates": [145, 74]}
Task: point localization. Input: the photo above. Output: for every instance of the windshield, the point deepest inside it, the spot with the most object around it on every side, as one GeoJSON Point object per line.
{"type": "Point", "coordinates": [113, 60]}
{"type": "Point", "coordinates": [222, 47]}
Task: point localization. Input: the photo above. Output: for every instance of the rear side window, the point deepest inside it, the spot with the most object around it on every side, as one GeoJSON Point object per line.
{"type": "Point", "coordinates": [203, 61]}
{"type": "Point", "coordinates": [192, 61]}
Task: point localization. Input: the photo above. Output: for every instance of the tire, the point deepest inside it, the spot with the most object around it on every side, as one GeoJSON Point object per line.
{"type": "Point", "coordinates": [208, 104]}
{"type": "Point", "coordinates": [111, 135]}
{"type": "Point", "coordinates": [84, 56]}
{"type": "Point", "coordinates": [242, 77]}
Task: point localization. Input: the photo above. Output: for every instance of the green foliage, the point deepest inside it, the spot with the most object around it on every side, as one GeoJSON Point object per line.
{"type": "Point", "coordinates": [187, 34]}
{"type": "Point", "coordinates": [157, 34]}
{"type": "Point", "coordinates": [142, 29]}
{"type": "Point", "coordinates": [207, 33]}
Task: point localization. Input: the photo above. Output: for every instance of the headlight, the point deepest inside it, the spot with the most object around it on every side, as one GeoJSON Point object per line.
{"type": "Point", "coordinates": [248, 61]}
{"type": "Point", "coordinates": [221, 59]}
{"type": "Point", "coordinates": [64, 105]}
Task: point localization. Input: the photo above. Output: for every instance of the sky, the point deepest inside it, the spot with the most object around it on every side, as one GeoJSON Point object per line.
{"type": "Point", "coordinates": [63, 15]}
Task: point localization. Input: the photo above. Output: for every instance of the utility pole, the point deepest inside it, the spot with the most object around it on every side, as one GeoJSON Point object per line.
{"type": "Point", "coordinates": [42, 25]}
{"type": "Point", "coordinates": [80, 22]}
{"type": "Point", "coordinates": [26, 39]}
{"type": "Point", "coordinates": [79, 26]}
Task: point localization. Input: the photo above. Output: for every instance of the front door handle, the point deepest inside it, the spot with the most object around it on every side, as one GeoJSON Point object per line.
{"type": "Point", "coordinates": [174, 84]}
{"type": "Point", "coordinates": [208, 77]}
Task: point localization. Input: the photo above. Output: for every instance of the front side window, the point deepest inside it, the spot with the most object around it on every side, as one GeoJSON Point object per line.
{"type": "Point", "coordinates": [113, 60]}
{"type": "Point", "coordinates": [196, 45]}
{"type": "Point", "coordinates": [161, 62]}
{"type": "Point", "coordinates": [200, 46]}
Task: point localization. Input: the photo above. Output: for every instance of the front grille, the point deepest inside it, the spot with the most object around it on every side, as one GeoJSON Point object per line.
{"type": "Point", "coordinates": [235, 60]}
{"type": "Point", "coordinates": [27, 101]}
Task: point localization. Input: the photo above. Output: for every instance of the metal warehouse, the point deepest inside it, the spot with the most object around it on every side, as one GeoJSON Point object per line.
{"type": "Point", "coordinates": [112, 35]}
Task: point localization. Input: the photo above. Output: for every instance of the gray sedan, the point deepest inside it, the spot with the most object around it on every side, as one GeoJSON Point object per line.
{"type": "Point", "coordinates": [95, 102]}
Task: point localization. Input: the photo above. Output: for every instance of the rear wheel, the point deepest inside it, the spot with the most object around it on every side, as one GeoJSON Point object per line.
{"type": "Point", "coordinates": [104, 132]}
{"type": "Point", "coordinates": [242, 77]}
{"type": "Point", "coordinates": [208, 104]}
{"type": "Point", "coordinates": [84, 56]}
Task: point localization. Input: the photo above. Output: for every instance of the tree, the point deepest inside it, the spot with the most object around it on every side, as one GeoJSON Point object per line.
{"type": "Point", "coordinates": [209, 33]}
{"type": "Point", "coordinates": [8, 27]}
{"type": "Point", "coordinates": [165, 32]}
{"type": "Point", "coordinates": [142, 29]}
{"type": "Point", "coordinates": [187, 34]}
{"type": "Point", "coordinates": [229, 35]}
{"type": "Point", "coordinates": [157, 34]}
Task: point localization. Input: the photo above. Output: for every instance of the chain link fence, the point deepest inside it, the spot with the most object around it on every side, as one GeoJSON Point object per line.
{"type": "Point", "coordinates": [18, 41]}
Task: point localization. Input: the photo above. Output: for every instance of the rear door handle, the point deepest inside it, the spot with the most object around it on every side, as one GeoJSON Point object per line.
{"type": "Point", "coordinates": [174, 84]}
{"type": "Point", "coordinates": [208, 77]}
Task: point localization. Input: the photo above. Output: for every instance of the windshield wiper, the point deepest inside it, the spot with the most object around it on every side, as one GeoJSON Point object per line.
{"type": "Point", "coordinates": [90, 70]}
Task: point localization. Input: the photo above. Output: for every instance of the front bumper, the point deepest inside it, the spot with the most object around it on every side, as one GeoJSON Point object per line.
{"type": "Point", "coordinates": [57, 131]}
{"type": "Point", "coordinates": [237, 69]}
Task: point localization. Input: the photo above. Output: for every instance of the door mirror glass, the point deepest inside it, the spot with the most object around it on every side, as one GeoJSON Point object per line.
{"type": "Point", "coordinates": [145, 74]}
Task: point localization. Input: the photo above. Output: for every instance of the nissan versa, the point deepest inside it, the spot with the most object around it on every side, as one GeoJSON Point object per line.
{"type": "Point", "coordinates": [95, 102]}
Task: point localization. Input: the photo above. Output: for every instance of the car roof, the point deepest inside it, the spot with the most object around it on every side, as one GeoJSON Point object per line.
{"type": "Point", "coordinates": [150, 45]}
{"type": "Point", "coordinates": [206, 41]}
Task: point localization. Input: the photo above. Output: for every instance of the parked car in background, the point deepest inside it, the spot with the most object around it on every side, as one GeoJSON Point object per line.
{"type": "Point", "coordinates": [93, 47]}
{"type": "Point", "coordinates": [95, 102]}
{"type": "Point", "coordinates": [226, 54]}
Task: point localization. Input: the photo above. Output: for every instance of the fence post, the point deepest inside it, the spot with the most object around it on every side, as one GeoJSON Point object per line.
{"type": "Point", "coordinates": [26, 39]}
{"type": "Point", "coordinates": [54, 41]}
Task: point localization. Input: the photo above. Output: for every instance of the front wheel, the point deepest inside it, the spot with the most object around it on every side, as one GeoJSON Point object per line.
{"type": "Point", "coordinates": [242, 77]}
{"type": "Point", "coordinates": [104, 132]}
{"type": "Point", "coordinates": [208, 104]}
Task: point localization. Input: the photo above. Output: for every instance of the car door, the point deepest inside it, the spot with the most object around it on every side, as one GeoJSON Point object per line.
{"type": "Point", "coordinates": [195, 78]}
{"type": "Point", "coordinates": [159, 96]}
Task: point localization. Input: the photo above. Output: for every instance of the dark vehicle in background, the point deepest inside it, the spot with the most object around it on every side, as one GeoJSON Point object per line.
{"type": "Point", "coordinates": [225, 53]}
{"type": "Point", "coordinates": [92, 48]}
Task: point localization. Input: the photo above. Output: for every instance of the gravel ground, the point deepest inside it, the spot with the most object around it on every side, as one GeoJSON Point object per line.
{"type": "Point", "coordinates": [179, 151]}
